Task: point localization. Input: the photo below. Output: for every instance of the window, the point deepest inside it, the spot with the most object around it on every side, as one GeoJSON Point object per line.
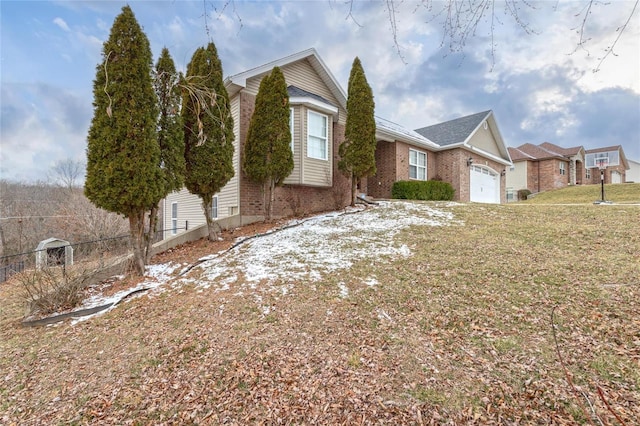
{"type": "Point", "coordinates": [317, 136]}
{"type": "Point", "coordinates": [214, 207]}
{"type": "Point", "coordinates": [588, 174]}
{"type": "Point", "coordinates": [291, 126]}
{"type": "Point", "coordinates": [174, 218]}
{"type": "Point", "coordinates": [563, 171]}
{"type": "Point", "coordinates": [417, 165]}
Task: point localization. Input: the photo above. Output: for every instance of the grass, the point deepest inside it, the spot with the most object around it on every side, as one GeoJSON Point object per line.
{"type": "Point", "coordinates": [617, 193]}
{"type": "Point", "coordinates": [459, 332]}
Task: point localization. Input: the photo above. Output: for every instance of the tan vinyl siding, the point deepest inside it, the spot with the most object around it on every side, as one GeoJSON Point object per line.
{"type": "Point", "coordinates": [301, 74]}
{"type": "Point", "coordinates": [228, 197]}
{"type": "Point", "coordinates": [295, 176]}
{"type": "Point", "coordinates": [189, 211]}
{"type": "Point", "coordinates": [190, 206]}
{"type": "Point", "coordinates": [316, 172]}
{"type": "Point", "coordinates": [517, 178]}
{"type": "Point", "coordinates": [484, 139]}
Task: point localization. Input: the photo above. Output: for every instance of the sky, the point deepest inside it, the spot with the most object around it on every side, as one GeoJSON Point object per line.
{"type": "Point", "coordinates": [538, 80]}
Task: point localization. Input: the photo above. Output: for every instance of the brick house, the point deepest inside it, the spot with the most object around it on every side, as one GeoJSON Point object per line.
{"type": "Point", "coordinates": [472, 161]}
{"type": "Point", "coordinates": [547, 166]}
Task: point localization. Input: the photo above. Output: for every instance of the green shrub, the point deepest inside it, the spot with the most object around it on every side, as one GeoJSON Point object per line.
{"type": "Point", "coordinates": [430, 190]}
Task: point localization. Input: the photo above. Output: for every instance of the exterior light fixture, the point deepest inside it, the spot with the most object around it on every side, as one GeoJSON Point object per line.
{"type": "Point", "coordinates": [469, 162]}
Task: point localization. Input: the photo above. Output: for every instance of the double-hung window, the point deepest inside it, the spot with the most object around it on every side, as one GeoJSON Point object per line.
{"type": "Point", "coordinates": [174, 218]}
{"type": "Point", "coordinates": [317, 136]}
{"type": "Point", "coordinates": [417, 165]}
{"type": "Point", "coordinates": [563, 171]}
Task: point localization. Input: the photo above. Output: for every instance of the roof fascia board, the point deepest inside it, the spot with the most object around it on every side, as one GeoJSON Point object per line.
{"type": "Point", "coordinates": [470, 135]}
{"type": "Point", "coordinates": [314, 103]}
{"type": "Point", "coordinates": [239, 81]}
{"type": "Point", "coordinates": [389, 135]}
{"type": "Point", "coordinates": [489, 155]}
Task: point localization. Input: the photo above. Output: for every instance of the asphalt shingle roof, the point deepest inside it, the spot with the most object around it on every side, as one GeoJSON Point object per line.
{"type": "Point", "coordinates": [294, 91]}
{"type": "Point", "coordinates": [453, 131]}
{"type": "Point", "coordinates": [538, 152]}
{"type": "Point", "coordinates": [564, 151]}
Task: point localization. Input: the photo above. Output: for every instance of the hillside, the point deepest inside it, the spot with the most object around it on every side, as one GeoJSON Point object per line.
{"type": "Point", "coordinates": [406, 313]}
{"type": "Point", "coordinates": [580, 194]}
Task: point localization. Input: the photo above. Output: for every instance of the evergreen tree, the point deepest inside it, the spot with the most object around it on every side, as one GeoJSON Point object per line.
{"type": "Point", "coordinates": [123, 153]}
{"type": "Point", "coordinates": [208, 130]}
{"type": "Point", "coordinates": [170, 135]}
{"type": "Point", "coordinates": [268, 159]}
{"type": "Point", "coordinates": [357, 152]}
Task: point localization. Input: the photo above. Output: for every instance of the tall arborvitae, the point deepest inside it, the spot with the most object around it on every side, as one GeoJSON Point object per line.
{"type": "Point", "coordinates": [268, 159]}
{"type": "Point", "coordinates": [357, 152]}
{"type": "Point", "coordinates": [208, 130]}
{"type": "Point", "coordinates": [123, 156]}
{"type": "Point", "coordinates": [170, 135]}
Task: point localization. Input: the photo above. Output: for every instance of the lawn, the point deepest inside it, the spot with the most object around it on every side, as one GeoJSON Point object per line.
{"type": "Point", "coordinates": [407, 313]}
{"type": "Point", "coordinates": [616, 193]}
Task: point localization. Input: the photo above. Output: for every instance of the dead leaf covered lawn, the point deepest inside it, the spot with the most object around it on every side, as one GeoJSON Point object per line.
{"type": "Point", "coordinates": [453, 327]}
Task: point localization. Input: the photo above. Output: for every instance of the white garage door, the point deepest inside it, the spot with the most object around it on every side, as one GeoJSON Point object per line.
{"type": "Point", "coordinates": [616, 177]}
{"type": "Point", "coordinates": [484, 185]}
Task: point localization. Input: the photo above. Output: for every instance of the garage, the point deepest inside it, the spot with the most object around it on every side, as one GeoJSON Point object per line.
{"type": "Point", "coordinates": [484, 185]}
{"type": "Point", "coordinates": [616, 177]}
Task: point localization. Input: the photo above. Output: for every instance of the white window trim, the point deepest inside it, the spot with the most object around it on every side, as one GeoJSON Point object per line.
{"type": "Point", "coordinates": [418, 166]}
{"type": "Point", "coordinates": [174, 218]}
{"type": "Point", "coordinates": [563, 170]}
{"type": "Point", "coordinates": [214, 210]}
{"type": "Point", "coordinates": [326, 138]}
{"type": "Point", "coordinates": [291, 126]}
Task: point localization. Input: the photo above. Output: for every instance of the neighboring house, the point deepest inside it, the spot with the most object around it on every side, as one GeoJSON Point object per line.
{"type": "Point", "coordinates": [543, 167]}
{"type": "Point", "coordinates": [617, 164]}
{"type": "Point", "coordinates": [633, 174]}
{"type": "Point", "coordinates": [547, 166]}
{"type": "Point", "coordinates": [471, 158]}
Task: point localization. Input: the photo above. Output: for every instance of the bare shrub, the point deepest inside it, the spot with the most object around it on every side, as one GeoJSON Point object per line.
{"type": "Point", "coordinates": [53, 289]}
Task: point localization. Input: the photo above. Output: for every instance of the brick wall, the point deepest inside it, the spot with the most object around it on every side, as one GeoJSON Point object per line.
{"type": "Point", "coordinates": [549, 174]}
{"type": "Point", "coordinates": [392, 161]}
{"type": "Point", "coordinates": [448, 168]}
{"type": "Point", "coordinates": [380, 184]}
{"type": "Point", "coordinates": [291, 200]}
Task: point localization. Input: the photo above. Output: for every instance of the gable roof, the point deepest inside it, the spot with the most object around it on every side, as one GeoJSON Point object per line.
{"type": "Point", "coordinates": [455, 131]}
{"type": "Point", "coordinates": [537, 152]}
{"type": "Point", "coordinates": [238, 81]}
{"type": "Point", "coordinates": [518, 155]}
{"type": "Point", "coordinates": [564, 151]}
{"type": "Point", "coordinates": [458, 132]}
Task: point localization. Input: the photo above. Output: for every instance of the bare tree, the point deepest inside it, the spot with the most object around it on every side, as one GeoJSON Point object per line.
{"type": "Point", "coordinates": [461, 20]}
{"type": "Point", "coordinates": [68, 172]}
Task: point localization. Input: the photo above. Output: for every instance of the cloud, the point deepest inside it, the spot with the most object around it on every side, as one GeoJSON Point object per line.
{"type": "Point", "coordinates": [41, 125]}
{"type": "Point", "coordinates": [62, 24]}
